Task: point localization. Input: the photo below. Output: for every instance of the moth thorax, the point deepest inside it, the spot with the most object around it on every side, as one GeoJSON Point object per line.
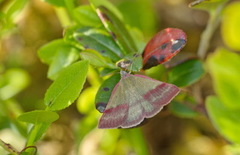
{"type": "Point", "coordinates": [123, 73]}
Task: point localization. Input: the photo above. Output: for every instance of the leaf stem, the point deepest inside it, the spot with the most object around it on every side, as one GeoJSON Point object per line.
{"type": "Point", "coordinates": [9, 148]}
{"type": "Point", "coordinates": [207, 34]}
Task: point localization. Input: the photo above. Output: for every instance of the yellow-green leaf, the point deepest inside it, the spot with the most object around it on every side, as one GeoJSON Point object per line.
{"type": "Point", "coordinates": [223, 66]}
{"type": "Point", "coordinates": [38, 116]}
{"type": "Point", "coordinates": [225, 120]}
{"type": "Point", "coordinates": [231, 25]}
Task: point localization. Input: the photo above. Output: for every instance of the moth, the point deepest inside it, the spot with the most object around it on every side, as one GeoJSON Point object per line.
{"type": "Point", "coordinates": [134, 98]}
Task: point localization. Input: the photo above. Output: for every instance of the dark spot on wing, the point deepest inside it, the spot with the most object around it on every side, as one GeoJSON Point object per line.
{"type": "Point", "coordinates": [102, 51]}
{"type": "Point", "coordinates": [86, 46]}
{"type": "Point", "coordinates": [106, 89]}
{"type": "Point", "coordinates": [178, 44]}
{"type": "Point", "coordinates": [101, 106]}
{"type": "Point", "coordinates": [152, 61]}
{"type": "Point", "coordinates": [164, 46]}
{"type": "Point", "coordinates": [162, 58]}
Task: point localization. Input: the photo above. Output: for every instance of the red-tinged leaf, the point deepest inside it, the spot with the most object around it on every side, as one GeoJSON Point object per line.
{"type": "Point", "coordinates": [134, 98]}
{"type": "Point", "coordinates": [163, 46]}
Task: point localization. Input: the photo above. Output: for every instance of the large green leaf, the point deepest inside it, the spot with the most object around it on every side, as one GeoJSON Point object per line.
{"type": "Point", "coordinates": [62, 59]}
{"type": "Point", "coordinates": [225, 120]}
{"type": "Point", "coordinates": [231, 25]}
{"type": "Point", "coordinates": [38, 116]}
{"type": "Point", "coordinates": [47, 52]}
{"type": "Point", "coordinates": [96, 59]}
{"type": "Point", "coordinates": [86, 16]}
{"type": "Point", "coordinates": [186, 73]}
{"type": "Point", "coordinates": [117, 30]}
{"type": "Point", "coordinates": [67, 87]}
{"type": "Point", "coordinates": [100, 41]}
{"type": "Point", "coordinates": [223, 66]}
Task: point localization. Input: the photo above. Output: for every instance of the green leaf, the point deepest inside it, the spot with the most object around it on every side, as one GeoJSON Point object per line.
{"type": "Point", "coordinates": [69, 37]}
{"type": "Point", "coordinates": [136, 62]}
{"type": "Point", "coordinates": [136, 140]}
{"type": "Point", "coordinates": [230, 25]}
{"type": "Point", "coordinates": [158, 72]}
{"type": "Point", "coordinates": [182, 110]}
{"type": "Point", "coordinates": [105, 91]}
{"type": "Point", "coordinates": [100, 41]}
{"type": "Point", "coordinates": [59, 3]}
{"type": "Point", "coordinates": [108, 4]}
{"type": "Point", "coordinates": [186, 73]}
{"type": "Point", "coordinates": [12, 82]}
{"type": "Point", "coordinates": [207, 5]}
{"type": "Point", "coordinates": [9, 13]}
{"type": "Point", "coordinates": [86, 16]}
{"type": "Point", "coordinates": [138, 38]}
{"type": "Point", "coordinates": [225, 120]}
{"type": "Point", "coordinates": [36, 132]}
{"type": "Point", "coordinates": [117, 30]}
{"type": "Point", "coordinates": [47, 52]}
{"type": "Point", "coordinates": [106, 71]}
{"type": "Point", "coordinates": [131, 62]}
{"type": "Point", "coordinates": [67, 87]}
{"type": "Point", "coordinates": [15, 8]}
{"type": "Point", "coordinates": [147, 22]}
{"type": "Point", "coordinates": [85, 103]}
{"type": "Point", "coordinates": [96, 59]}
{"type": "Point", "coordinates": [61, 60]}
{"type": "Point", "coordinates": [38, 116]}
{"type": "Point", "coordinates": [223, 66]}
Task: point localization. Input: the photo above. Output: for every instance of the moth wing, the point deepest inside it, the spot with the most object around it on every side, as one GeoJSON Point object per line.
{"type": "Point", "coordinates": [146, 98]}
{"type": "Point", "coordinates": [134, 98]}
{"type": "Point", "coordinates": [117, 108]}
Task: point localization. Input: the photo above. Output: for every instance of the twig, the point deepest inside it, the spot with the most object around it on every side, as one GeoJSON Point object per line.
{"type": "Point", "coordinates": [207, 34]}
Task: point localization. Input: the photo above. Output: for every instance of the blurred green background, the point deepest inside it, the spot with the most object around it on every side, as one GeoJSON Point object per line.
{"type": "Point", "coordinates": [23, 82]}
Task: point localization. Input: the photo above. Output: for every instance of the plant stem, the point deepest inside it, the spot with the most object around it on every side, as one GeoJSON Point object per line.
{"type": "Point", "coordinates": [9, 148]}
{"type": "Point", "coordinates": [207, 34]}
